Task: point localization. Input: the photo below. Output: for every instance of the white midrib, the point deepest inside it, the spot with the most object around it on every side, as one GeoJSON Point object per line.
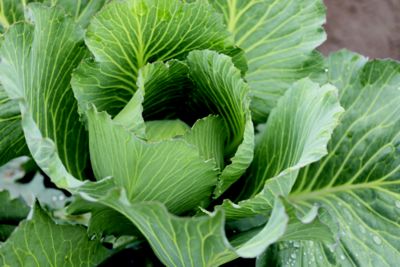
{"type": "Point", "coordinates": [232, 19]}
{"type": "Point", "coordinates": [302, 196]}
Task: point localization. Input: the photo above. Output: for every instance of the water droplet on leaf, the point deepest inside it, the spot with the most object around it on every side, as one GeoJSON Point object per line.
{"type": "Point", "coordinates": [377, 240]}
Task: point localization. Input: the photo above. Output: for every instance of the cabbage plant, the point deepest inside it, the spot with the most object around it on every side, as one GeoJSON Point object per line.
{"type": "Point", "coordinates": [193, 133]}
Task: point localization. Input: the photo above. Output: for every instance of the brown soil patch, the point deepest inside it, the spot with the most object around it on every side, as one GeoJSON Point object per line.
{"type": "Point", "coordinates": [369, 27]}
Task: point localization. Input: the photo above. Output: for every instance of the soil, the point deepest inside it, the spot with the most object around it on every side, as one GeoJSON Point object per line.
{"type": "Point", "coordinates": [369, 27]}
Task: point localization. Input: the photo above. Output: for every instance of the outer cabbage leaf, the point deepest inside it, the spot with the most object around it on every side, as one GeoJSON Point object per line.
{"type": "Point", "coordinates": [278, 38]}
{"type": "Point", "coordinates": [196, 241]}
{"type": "Point", "coordinates": [12, 142]}
{"type": "Point", "coordinates": [40, 82]}
{"type": "Point", "coordinates": [126, 35]}
{"type": "Point", "coordinates": [38, 241]}
{"type": "Point", "coordinates": [296, 135]}
{"type": "Point", "coordinates": [358, 181]}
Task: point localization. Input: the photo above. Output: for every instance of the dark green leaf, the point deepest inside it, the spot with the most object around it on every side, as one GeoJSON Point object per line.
{"type": "Point", "coordinates": [38, 241]}
{"type": "Point", "coordinates": [40, 82]}
{"type": "Point", "coordinates": [12, 141]}
{"type": "Point", "coordinates": [12, 211]}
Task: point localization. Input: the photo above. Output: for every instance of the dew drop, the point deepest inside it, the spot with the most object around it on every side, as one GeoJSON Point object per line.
{"type": "Point", "coordinates": [326, 70]}
{"type": "Point", "coordinates": [397, 204]}
{"type": "Point", "coordinates": [342, 257]}
{"type": "Point", "coordinates": [362, 229]}
{"type": "Point", "coordinates": [293, 255]}
{"type": "Point", "coordinates": [54, 198]}
{"type": "Point", "coordinates": [377, 240]}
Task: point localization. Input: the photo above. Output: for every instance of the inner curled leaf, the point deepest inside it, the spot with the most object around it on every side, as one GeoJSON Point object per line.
{"type": "Point", "coordinates": [124, 38]}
